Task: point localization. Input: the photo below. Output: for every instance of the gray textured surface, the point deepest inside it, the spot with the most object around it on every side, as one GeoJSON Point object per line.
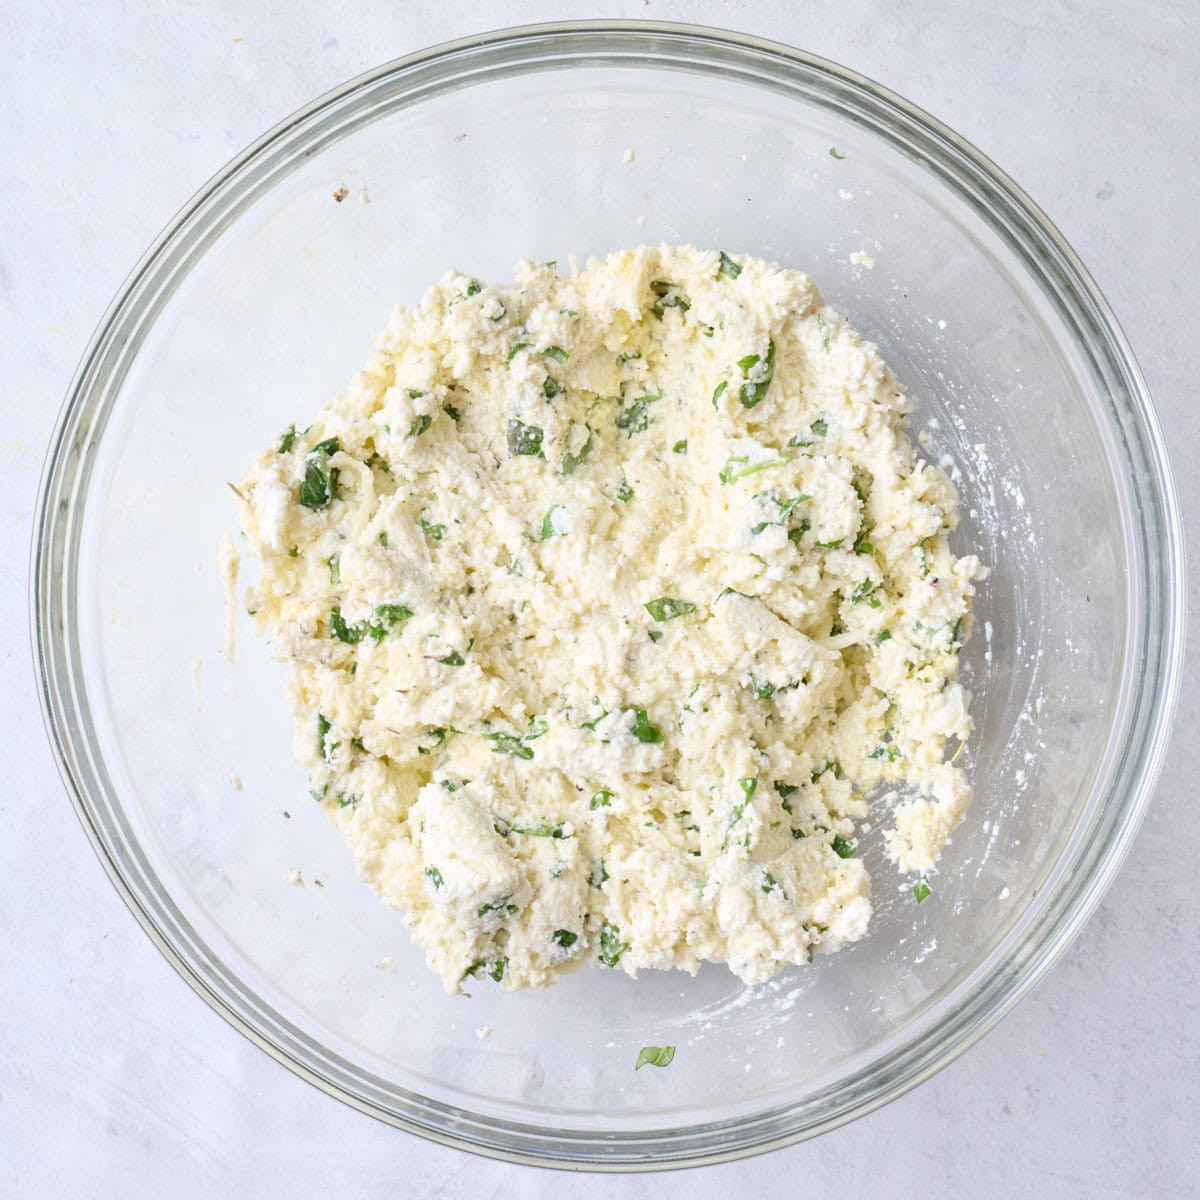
{"type": "Point", "coordinates": [114, 1077]}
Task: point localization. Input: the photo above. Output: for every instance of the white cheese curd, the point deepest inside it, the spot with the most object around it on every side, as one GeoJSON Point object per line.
{"type": "Point", "coordinates": [608, 601]}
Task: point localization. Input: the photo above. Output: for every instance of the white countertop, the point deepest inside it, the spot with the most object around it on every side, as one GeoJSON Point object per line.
{"type": "Point", "coordinates": [115, 1079]}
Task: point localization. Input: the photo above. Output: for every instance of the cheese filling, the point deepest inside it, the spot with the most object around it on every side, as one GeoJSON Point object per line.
{"type": "Point", "coordinates": [609, 600]}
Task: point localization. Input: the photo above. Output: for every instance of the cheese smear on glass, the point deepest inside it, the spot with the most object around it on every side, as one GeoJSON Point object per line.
{"type": "Point", "coordinates": [608, 601]}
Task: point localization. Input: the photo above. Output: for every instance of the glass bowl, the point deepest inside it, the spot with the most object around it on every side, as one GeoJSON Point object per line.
{"type": "Point", "coordinates": [260, 300]}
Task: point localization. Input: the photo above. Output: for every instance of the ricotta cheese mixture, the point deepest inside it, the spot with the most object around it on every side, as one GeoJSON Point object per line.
{"type": "Point", "coordinates": [609, 599]}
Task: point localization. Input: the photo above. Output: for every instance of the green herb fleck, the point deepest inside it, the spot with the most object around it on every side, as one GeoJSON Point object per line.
{"type": "Point", "coordinates": [551, 387]}
{"type": "Point", "coordinates": [516, 350]}
{"type": "Point", "coordinates": [601, 799]}
{"type": "Point", "coordinates": [557, 353]}
{"type": "Point", "coordinates": [319, 488]}
{"type": "Point", "coordinates": [565, 938]}
{"type": "Point", "coordinates": [738, 466]}
{"type": "Point", "coordinates": [288, 440]}
{"type": "Point", "coordinates": [728, 266]}
{"type": "Point", "coordinates": [437, 532]}
{"type": "Point", "coordinates": [668, 295]}
{"type": "Point", "coordinates": [452, 412]}
{"type": "Point", "coordinates": [419, 425]}
{"type": "Point", "coordinates": [655, 635]}
{"type": "Point", "coordinates": [665, 608]}
{"type": "Point", "coordinates": [834, 154]}
{"type": "Point", "coordinates": [294, 552]}
{"type": "Point", "coordinates": [571, 461]}
{"type": "Point", "coordinates": [350, 634]}
{"type": "Point", "coordinates": [841, 847]}
{"type": "Point", "coordinates": [624, 492]}
{"type": "Point", "coordinates": [497, 971]}
{"type": "Point", "coordinates": [884, 635]}
{"type": "Point", "coordinates": [820, 427]}
{"type": "Point", "coordinates": [509, 743]}
{"type": "Point", "coordinates": [680, 447]}
{"type": "Point", "coordinates": [635, 418]}
{"type": "Point", "coordinates": [922, 890]}
{"type": "Point", "coordinates": [334, 563]}
{"type": "Point", "coordinates": [655, 1056]}
{"type": "Point", "coordinates": [541, 829]}
{"type": "Point", "coordinates": [757, 373]}
{"type": "Point", "coordinates": [642, 729]}
{"type": "Point", "coordinates": [611, 946]}
{"type": "Point", "coordinates": [524, 439]}
{"type": "Point", "coordinates": [453, 659]}
{"type": "Point", "coordinates": [434, 876]}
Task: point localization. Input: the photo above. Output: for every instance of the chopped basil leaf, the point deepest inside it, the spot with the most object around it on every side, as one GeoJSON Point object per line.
{"type": "Point", "coordinates": [294, 552]}
{"type": "Point", "coordinates": [611, 946]}
{"type": "Point", "coordinates": [665, 608]}
{"type": "Point", "coordinates": [350, 634]}
{"type": "Point", "coordinates": [738, 466]}
{"type": "Point", "coordinates": [820, 427]}
{"type": "Point", "coordinates": [834, 154]}
{"type": "Point", "coordinates": [884, 635]}
{"type": "Point", "coordinates": [565, 938]}
{"type": "Point", "coordinates": [728, 266]}
{"type": "Point", "coordinates": [624, 492]}
{"type": "Point", "coordinates": [601, 799]}
{"type": "Point", "coordinates": [500, 908]}
{"type": "Point", "coordinates": [680, 447]}
{"type": "Point", "coordinates": [453, 659]}
{"type": "Point", "coordinates": [509, 743]}
{"type": "Point", "coordinates": [319, 488]}
{"type": "Point", "coordinates": [516, 350]}
{"type": "Point", "coordinates": [524, 439]}
{"type": "Point", "coordinates": [288, 440]}
{"type": "Point", "coordinates": [757, 373]}
{"type": "Point", "coordinates": [557, 353]}
{"type": "Point", "coordinates": [452, 412]}
{"type": "Point", "coordinates": [655, 635]}
{"type": "Point", "coordinates": [497, 971]}
{"type": "Point", "coordinates": [334, 563]}
{"type": "Point", "coordinates": [636, 417]}
{"type": "Point", "coordinates": [719, 391]}
{"type": "Point", "coordinates": [551, 387]}
{"type": "Point", "coordinates": [383, 540]}
{"type": "Point", "coordinates": [437, 532]}
{"type": "Point", "coordinates": [434, 876]}
{"type": "Point", "coordinates": [786, 789]}
{"type": "Point", "coordinates": [642, 729]}
{"type": "Point", "coordinates": [541, 829]}
{"type": "Point", "coordinates": [419, 425]}
{"type": "Point", "coordinates": [552, 525]}
{"type": "Point", "coordinates": [655, 1056]}
{"type": "Point", "coordinates": [571, 461]}
{"type": "Point", "coordinates": [669, 296]}
{"type": "Point", "coordinates": [323, 728]}
{"type": "Point", "coordinates": [922, 890]}
{"type": "Point", "coordinates": [841, 847]}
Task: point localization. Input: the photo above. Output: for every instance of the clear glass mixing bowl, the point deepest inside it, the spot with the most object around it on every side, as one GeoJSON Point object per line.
{"type": "Point", "coordinates": [260, 301]}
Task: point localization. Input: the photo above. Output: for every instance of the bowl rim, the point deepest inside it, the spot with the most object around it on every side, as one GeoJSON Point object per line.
{"type": "Point", "coordinates": [57, 535]}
